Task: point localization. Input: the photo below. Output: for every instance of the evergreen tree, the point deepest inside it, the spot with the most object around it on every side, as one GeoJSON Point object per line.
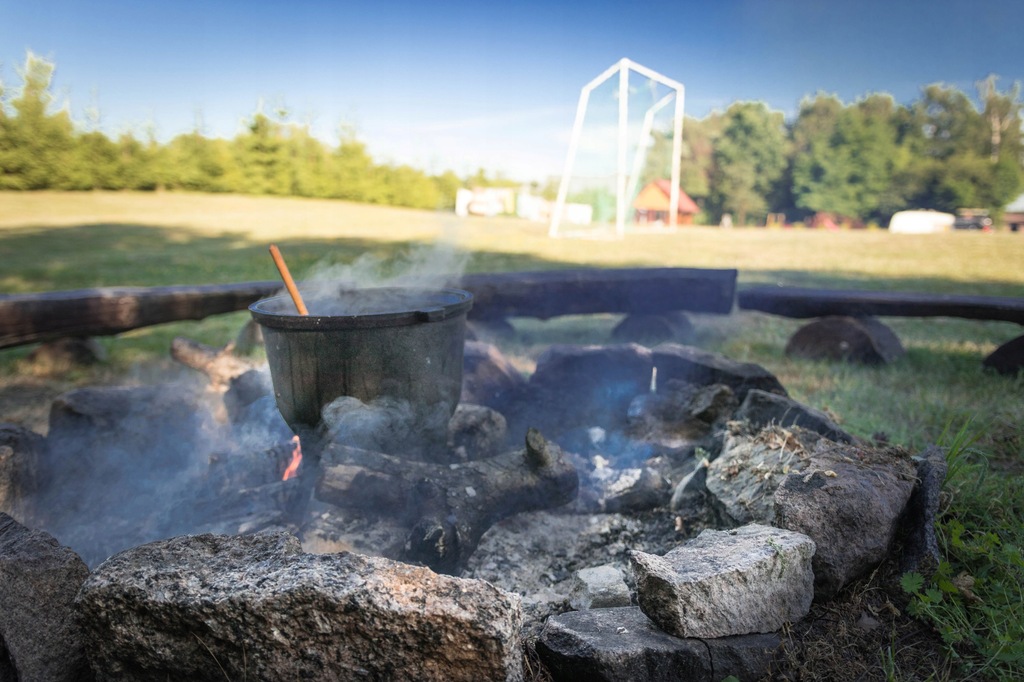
{"type": "Point", "coordinates": [307, 163]}
{"type": "Point", "coordinates": [138, 163]}
{"type": "Point", "coordinates": [261, 157]}
{"type": "Point", "coordinates": [354, 175]}
{"type": "Point", "coordinates": [36, 146]}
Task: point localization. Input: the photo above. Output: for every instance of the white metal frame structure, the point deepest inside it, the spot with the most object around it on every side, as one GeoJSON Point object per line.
{"type": "Point", "coordinates": [625, 184]}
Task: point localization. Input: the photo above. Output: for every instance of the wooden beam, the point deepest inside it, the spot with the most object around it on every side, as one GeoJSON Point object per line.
{"type": "Point", "coordinates": [643, 291]}
{"type": "Point", "coordinates": [799, 302]}
{"type": "Point", "coordinates": [29, 318]}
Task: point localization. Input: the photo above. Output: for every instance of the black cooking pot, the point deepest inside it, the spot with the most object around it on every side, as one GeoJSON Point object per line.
{"type": "Point", "coordinates": [400, 343]}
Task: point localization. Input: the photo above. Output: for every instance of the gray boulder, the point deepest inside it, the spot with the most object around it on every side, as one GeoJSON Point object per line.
{"type": "Point", "coordinates": [849, 501]}
{"type": "Point", "coordinates": [582, 386]}
{"type": "Point", "coordinates": [704, 368]}
{"type": "Point", "coordinates": [39, 638]}
{"type": "Point", "coordinates": [689, 497]}
{"type": "Point", "coordinates": [635, 489]}
{"type": "Point", "coordinates": [736, 582]}
{"type": "Point", "coordinates": [218, 607]}
{"type": "Point", "coordinates": [761, 408]}
{"type": "Point", "coordinates": [20, 454]}
{"type": "Point", "coordinates": [624, 644]}
{"type": "Point", "coordinates": [476, 432]}
{"type": "Point", "coordinates": [600, 587]}
{"type": "Point", "coordinates": [680, 413]}
{"type": "Point", "coordinates": [741, 481]}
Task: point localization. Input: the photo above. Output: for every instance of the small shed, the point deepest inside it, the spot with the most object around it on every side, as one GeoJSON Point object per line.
{"type": "Point", "coordinates": [1014, 215]}
{"type": "Point", "coordinates": [652, 204]}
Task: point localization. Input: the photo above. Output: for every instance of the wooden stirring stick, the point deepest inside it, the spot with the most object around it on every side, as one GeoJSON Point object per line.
{"type": "Point", "coordinates": [282, 267]}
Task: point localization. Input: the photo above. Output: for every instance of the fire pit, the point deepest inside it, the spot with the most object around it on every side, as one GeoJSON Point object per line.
{"type": "Point", "coordinates": [398, 343]}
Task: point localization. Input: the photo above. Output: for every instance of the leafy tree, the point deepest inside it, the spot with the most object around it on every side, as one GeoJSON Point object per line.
{"type": "Point", "coordinates": [847, 157]}
{"type": "Point", "coordinates": [966, 157]}
{"type": "Point", "coordinates": [198, 164]}
{"type": "Point", "coordinates": [93, 164]}
{"type": "Point", "coordinates": [949, 123]}
{"type": "Point", "coordinates": [139, 163]}
{"type": "Point", "coordinates": [447, 184]}
{"type": "Point", "coordinates": [749, 159]}
{"type": "Point", "coordinates": [407, 186]}
{"type": "Point", "coordinates": [695, 167]}
{"type": "Point", "coordinates": [1001, 112]}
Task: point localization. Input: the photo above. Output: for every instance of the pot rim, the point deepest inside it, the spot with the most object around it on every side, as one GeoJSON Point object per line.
{"type": "Point", "coordinates": [278, 312]}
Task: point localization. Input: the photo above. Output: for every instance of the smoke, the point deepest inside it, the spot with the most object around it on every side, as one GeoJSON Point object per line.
{"type": "Point", "coordinates": [425, 266]}
{"type": "Point", "coordinates": [388, 424]}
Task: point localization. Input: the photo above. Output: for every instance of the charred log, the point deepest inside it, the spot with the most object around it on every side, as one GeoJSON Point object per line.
{"type": "Point", "coordinates": [220, 365]}
{"type": "Point", "coordinates": [447, 508]}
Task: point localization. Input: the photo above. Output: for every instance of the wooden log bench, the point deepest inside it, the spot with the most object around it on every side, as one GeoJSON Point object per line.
{"type": "Point", "coordinates": [30, 318]}
{"type": "Point", "coordinates": [828, 304]}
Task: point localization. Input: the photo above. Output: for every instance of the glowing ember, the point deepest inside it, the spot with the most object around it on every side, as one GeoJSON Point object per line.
{"type": "Point", "coordinates": [293, 467]}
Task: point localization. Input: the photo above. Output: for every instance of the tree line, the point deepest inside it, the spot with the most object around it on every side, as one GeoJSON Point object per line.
{"type": "Point", "coordinates": [860, 162]}
{"type": "Point", "coordinates": [42, 149]}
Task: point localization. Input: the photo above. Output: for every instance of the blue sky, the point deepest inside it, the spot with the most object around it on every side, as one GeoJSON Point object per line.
{"type": "Point", "coordinates": [463, 85]}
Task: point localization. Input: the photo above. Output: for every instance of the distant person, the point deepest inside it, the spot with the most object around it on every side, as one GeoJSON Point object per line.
{"type": "Point", "coordinates": [726, 222]}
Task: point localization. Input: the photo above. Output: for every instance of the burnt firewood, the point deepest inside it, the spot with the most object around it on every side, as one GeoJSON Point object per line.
{"type": "Point", "coordinates": [220, 365]}
{"type": "Point", "coordinates": [447, 508]}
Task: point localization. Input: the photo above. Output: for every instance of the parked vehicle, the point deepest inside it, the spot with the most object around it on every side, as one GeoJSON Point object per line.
{"type": "Point", "coordinates": [972, 219]}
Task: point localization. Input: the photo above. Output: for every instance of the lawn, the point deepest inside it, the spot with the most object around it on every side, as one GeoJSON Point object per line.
{"type": "Point", "coordinates": [51, 241]}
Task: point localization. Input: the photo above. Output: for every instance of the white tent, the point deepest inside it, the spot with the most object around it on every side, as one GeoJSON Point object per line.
{"type": "Point", "coordinates": [920, 222]}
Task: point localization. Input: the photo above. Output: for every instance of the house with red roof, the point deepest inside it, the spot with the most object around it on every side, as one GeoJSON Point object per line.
{"type": "Point", "coordinates": [652, 204]}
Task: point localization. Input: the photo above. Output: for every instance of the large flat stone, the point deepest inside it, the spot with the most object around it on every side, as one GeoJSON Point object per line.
{"type": "Point", "coordinates": [213, 607]}
{"type": "Point", "coordinates": [750, 579]}
{"type": "Point", "coordinates": [624, 644]}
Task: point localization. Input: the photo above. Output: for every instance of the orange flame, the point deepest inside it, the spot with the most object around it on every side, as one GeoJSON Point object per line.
{"type": "Point", "coordinates": [293, 467]}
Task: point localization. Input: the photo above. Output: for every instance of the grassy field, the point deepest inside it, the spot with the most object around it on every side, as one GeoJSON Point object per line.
{"type": "Point", "coordinates": [65, 241]}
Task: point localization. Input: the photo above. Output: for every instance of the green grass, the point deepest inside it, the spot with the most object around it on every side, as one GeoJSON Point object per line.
{"type": "Point", "coordinates": [54, 241]}
{"type": "Point", "coordinates": [976, 598]}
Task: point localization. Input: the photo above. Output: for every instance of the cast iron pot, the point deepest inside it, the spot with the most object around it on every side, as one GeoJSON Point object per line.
{"type": "Point", "coordinates": [400, 343]}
